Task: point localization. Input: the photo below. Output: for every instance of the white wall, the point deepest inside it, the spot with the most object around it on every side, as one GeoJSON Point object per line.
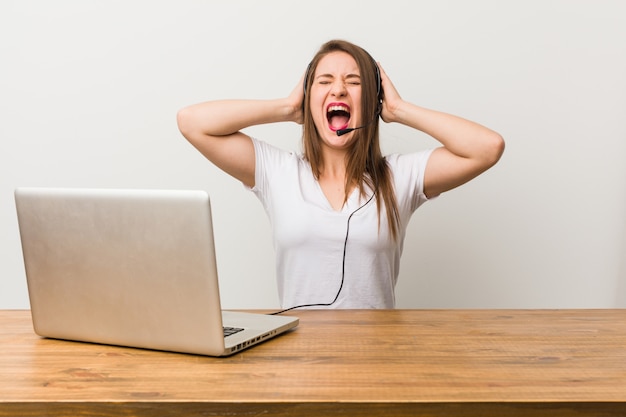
{"type": "Point", "coordinates": [89, 91]}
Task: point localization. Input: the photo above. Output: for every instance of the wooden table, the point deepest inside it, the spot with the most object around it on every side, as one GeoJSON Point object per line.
{"type": "Point", "coordinates": [397, 363]}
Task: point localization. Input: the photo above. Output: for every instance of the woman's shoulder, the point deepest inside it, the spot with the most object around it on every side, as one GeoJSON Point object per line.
{"type": "Point", "coordinates": [274, 158]}
{"type": "Point", "coordinates": [275, 150]}
{"type": "Point", "coordinates": [411, 160]}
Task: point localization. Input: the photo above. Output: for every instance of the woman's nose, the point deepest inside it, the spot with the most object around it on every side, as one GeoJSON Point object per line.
{"type": "Point", "coordinates": [338, 88]}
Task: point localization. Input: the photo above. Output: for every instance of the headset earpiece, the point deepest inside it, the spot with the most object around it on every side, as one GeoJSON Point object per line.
{"type": "Point", "coordinates": [379, 82]}
{"type": "Point", "coordinates": [306, 77]}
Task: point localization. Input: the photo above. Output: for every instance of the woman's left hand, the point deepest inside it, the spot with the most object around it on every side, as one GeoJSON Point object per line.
{"type": "Point", "coordinates": [391, 98]}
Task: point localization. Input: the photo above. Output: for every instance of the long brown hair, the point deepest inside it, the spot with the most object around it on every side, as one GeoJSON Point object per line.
{"type": "Point", "coordinates": [365, 164]}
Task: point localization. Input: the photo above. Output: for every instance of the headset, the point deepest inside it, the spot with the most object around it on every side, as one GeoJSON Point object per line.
{"type": "Point", "coordinates": [379, 97]}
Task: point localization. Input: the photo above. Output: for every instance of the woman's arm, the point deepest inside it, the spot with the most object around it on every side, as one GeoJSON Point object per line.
{"type": "Point", "coordinates": [214, 129]}
{"type": "Point", "coordinates": [468, 148]}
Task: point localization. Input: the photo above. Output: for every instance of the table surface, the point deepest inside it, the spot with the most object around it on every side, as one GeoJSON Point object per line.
{"type": "Point", "coordinates": [338, 362]}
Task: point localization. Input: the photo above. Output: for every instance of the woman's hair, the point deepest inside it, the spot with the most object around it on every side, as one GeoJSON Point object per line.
{"type": "Point", "coordinates": [365, 164]}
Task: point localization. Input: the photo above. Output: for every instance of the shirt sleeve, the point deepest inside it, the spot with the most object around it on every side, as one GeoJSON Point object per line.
{"type": "Point", "coordinates": [268, 161]}
{"type": "Point", "coordinates": [408, 172]}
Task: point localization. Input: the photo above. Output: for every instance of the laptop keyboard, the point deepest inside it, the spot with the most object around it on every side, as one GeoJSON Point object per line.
{"type": "Point", "coordinates": [229, 331]}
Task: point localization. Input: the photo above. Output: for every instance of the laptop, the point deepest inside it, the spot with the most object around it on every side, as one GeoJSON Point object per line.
{"type": "Point", "coordinates": [132, 268]}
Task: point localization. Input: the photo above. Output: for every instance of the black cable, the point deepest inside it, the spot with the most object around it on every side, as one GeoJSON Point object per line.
{"type": "Point", "coordinates": [343, 267]}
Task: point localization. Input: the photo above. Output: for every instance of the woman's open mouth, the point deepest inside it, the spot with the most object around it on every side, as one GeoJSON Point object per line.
{"type": "Point", "coordinates": [338, 115]}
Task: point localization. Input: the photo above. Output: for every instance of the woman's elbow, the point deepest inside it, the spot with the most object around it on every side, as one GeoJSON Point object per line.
{"type": "Point", "coordinates": [184, 121]}
{"type": "Point", "coordinates": [494, 148]}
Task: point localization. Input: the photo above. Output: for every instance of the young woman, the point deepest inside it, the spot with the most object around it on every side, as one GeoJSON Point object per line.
{"type": "Point", "coordinates": [339, 211]}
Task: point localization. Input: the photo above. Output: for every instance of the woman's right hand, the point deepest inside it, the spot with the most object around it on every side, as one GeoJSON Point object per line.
{"type": "Point", "coordinates": [296, 102]}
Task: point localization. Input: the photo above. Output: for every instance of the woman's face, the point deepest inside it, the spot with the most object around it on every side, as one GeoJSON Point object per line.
{"type": "Point", "coordinates": [336, 98]}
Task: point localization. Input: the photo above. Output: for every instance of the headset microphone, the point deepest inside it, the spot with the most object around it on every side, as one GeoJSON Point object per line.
{"type": "Point", "coordinates": [342, 132]}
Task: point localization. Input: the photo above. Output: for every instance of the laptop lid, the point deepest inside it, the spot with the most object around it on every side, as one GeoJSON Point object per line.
{"type": "Point", "coordinates": [129, 267]}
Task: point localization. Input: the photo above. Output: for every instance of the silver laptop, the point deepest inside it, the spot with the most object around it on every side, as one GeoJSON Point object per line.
{"type": "Point", "coordinates": [132, 268]}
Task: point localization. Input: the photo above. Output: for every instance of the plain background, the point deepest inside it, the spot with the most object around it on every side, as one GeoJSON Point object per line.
{"type": "Point", "coordinates": [89, 92]}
